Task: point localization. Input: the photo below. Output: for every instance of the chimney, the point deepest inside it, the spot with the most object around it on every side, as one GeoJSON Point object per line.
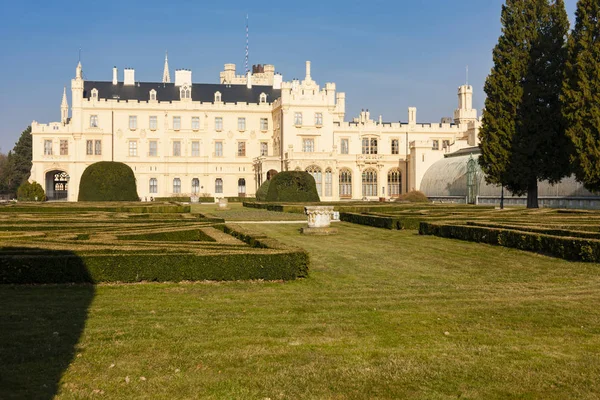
{"type": "Point", "coordinates": [308, 78]}
{"type": "Point", "coordinates": [129, 77]}
{"type": "Point", "coordinates": [249, 80]}
{"type": "Point", "coordinates": [115, 76]}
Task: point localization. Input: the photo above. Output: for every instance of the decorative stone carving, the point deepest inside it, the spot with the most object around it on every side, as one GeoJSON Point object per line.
{"type": "Point", "coordinates": [319, 216]}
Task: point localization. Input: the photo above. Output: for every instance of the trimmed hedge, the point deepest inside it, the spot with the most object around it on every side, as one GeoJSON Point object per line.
{"type": "Point", "coordinates": [74, 268]}
{"type": "Point", "coordinates": [190, 235]}
{"type": "Point", "coordinates": [568, 248]}
{"type": "Point", "coordinates": [381, 221]}
{"type": "Point", "coordinates": [108, 181]}
{"type": "Point", "coordinates": [293, 186]}
{"type": "Point", "coordinates": [142, 209]}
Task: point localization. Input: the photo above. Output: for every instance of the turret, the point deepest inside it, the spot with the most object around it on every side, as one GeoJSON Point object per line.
{"type": "Point", "coordinates": [166, 76]}
{"type": "Point", "coordinates": [77, 96]}
{"type": "Point", "coordinates": [465, 112]}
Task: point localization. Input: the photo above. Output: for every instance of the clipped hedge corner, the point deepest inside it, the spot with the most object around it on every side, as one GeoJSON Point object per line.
{"type": "Point", "coordinates": [293, 186]}
{"type": "Point", "coordinates": [108, 181]}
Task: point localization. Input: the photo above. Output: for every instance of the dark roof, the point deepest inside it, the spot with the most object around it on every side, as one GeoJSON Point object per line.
{"type": "Point", "coordinates": [464, 152]}
{"type": "Point", "coordinates": [204, 92]}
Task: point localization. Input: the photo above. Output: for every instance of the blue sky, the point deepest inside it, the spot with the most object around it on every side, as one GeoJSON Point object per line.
{"type": "Point", "coordinates": [386, 55]}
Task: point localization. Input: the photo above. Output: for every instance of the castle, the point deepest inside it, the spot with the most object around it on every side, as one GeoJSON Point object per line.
{"type": "Point", "coordinates": [223, 140]}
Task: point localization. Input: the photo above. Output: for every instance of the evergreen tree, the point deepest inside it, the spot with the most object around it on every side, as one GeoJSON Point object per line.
{"type": "Point", "coordinates": [19, 160]}
{"type": "Point", "coordinates": [522, 137]}
{"type": "Point", "coordinates": [581, 91]}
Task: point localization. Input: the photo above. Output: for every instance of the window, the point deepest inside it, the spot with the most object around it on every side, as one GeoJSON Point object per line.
{"type": "Point", "coordinates": [195, 149]}
{"type": "Point", "coordinates": [316, 173]}
{"type": "Point", "coordinates": [153, 148]}
{"type": "Point", "coordinates": [64, 147]}
{"type": "Point", "coordinates": [217, 97]}
{"type": "Point", "coordinates": [241, 124]}
{"type": "Point", "coordinates": [241, 149]}
{"type": "Point", "coordinates": [241, 187]}
{"type": "Point", "coordinates": [98, 147]}
{"type": "Point", "coordinates": [94, 93]}
{"type": "Point", "coordinates": [264, 148]}
{"type": "Point", "coordinates": [328, 182]}
{"type": "Point", "coordinates": [436, 145]}
{"type": "Point", "coordinates": [369, 183]}
{"type": "Point", "coordinates": [319, 119]}
{"type": "Point", "coordinates": [132, 122]}
{"type": "Point", "coordinates": [264, 124]}
{"type": "Point", "coordinates": [218, 185]}
{"type": "Point", "coordinates": [195, 186]}
{"type": "Point", "coordinates": [369, 146]}
{"type": "Point", "coordinates": [153, 123]}
{"type": "Point", "coordinates": [132, 148]}
{"type": "Point", "coordinates": [195, 123]}
{"type": "Point", "coordinates": [298, 119]}
{"type": "Point", "coordinates": [176, 148]}
{"type": "Point", "coordinates": [308, 145]}
{"type": "Point", "coordinates": [185, 92]}
{"type": "Point", "coordinates": [394, 182]}
{"type": "Point", "coordinates": [395, 146]}
{"type": "Point", "coordinates": [218, 149]}
{"type": "Point", "coordinates": [176, 185]}
{"type": "Point", "coordinates": [93, 121]}
{"type": "Point", "coordinates": [153, 95]}
{"type": "Point", "coordinates": [445, 144]}
{"type": "Point", "coordinates": [263, 98]}
{"type": "Point", "coordinates": [89, 147]}
{"type": "Point", "coordinates": [344, 146]}
{"type": "Point", "coordinates": [346, 183]}
{"type": "Point", "coordinates": [176, 123]}
{"type": "Point", "coordinates": [153, 185]}
{"type": "Point", "coordinates": [47, 147]}
{"type": "Point", "coordinates": [218, 124]}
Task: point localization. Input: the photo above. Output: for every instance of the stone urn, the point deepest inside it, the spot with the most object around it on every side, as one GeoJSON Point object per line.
{"type": "Point", "coordinates": [319, 216]}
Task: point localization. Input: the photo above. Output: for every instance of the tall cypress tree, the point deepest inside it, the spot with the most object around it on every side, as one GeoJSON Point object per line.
{"type": "Point", "coordinates": [19, 160]}
{"type": "Point", "coordinates": [581, 93]}
{"type": "Point", "coordinates": [522, 137]}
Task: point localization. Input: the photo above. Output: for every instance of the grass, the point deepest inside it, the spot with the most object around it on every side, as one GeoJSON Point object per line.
{"type": "Point", "coordinates": [236, 212]}
{"type": "Point", "coordinates": [384, 314]}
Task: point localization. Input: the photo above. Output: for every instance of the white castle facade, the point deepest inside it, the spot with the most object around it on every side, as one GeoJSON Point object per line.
{"type": "Point", "coordinates": [223, 140]}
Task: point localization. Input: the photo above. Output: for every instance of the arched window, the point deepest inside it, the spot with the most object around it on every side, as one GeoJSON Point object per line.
{"type": "Point", "coordinates": [153, 185]}
{"type": "Point", "coordinates": [217, 97]}
{"type": "Point", "coordinates": [95, 94]}
{"type": "Point", "coordinates": [328, 182]}
{"type": "Point", "coordinates": [346, 184]}
{"type": "Point", "coordinates": [369, 183]}
{"type": "Point", "coordinates": [176, 185]}
{"type": "Point", "coordinates": [394, 182]}
{"type": "Point", "coordinates": [218, 185]}
{"type": "Point", "coordinates": [185, 92]}
{"type": "Point", "coordinates": [153, 94]}
{"type": "Point", "coordinates": [195, 186]}
{"type": "Point", "coordinates": [316, 173]}
{"type": "Point", "coordinates": [263, 98]}
{"type": "Point", "coordinates": [270, 174]}
{"type": "Point", "coordinates": [241, 187]}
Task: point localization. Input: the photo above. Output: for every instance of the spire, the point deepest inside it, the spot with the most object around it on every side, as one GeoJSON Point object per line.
{"type": "Point", "coordinates": [64, 107]}
{"type": "Point", "coordinates": [247, 45]}
{"type": "Point", "coordinates": [166, 77]}
{"type": "Point", "coordinates": [78, 71]}
{"type": "Point", "coordinates": [64, 98]}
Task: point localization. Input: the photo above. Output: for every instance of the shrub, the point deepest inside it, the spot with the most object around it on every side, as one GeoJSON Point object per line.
{"type": "Point", "coordinates": [261, 193]}
{"type": "Point", "coordinates": [108, 181]}
{"type": "Point", "coordinates": [31, 192]}
{"type": "Point", "coordinates": [293, 186]}
{"type": "Point", "coordinates": [414, 197]}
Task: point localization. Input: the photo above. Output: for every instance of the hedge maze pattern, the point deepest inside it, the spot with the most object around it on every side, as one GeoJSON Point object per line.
{"type": "Point", "coordinates": [54, 244]}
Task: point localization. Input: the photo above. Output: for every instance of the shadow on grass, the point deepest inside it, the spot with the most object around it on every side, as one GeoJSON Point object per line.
{"type": "Point", "coordinates": [40, 325]}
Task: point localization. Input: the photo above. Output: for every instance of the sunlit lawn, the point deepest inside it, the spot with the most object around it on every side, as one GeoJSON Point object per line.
{"type": "Point", "coordinates": [384, 314]}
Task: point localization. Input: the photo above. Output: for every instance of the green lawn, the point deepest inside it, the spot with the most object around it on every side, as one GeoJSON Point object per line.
{"type": "Point", "coordinates": [236, 212]}
{"type": "Point", "coordinates": [384, 314]}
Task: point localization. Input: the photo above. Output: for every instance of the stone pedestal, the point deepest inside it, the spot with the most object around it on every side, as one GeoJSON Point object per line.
{"type": "Point", "coordinates": [223, 204]}
{"type": "Point", "coordinates": [319, 220]}
{"type": "Point", "coordinates": [194, 199]}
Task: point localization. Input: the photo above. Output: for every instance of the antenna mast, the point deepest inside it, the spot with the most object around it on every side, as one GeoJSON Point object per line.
{"type": "Point", "coordinates": [247, 37]}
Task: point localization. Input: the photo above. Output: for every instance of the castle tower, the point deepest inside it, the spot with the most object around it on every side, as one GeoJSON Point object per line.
{"type": "Point", "coordinates": [64, 108]}
{"type": "Point", "coordinates": [465, 113]}
{"type": "Point", "coordinates": [166, 76]}
{"type": "Point", "coordinates": [77, 97]}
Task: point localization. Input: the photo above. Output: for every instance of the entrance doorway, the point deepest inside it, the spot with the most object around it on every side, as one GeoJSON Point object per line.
{"type": "Point", "coordinates": [57, 185]}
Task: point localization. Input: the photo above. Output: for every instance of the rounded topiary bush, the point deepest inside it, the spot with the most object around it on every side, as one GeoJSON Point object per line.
{"type": "Point", "coordinates": [31, 192]}
{"type": "Point", "coordinates": [261, 193]}
{"type": "Point", "coordinates": [293, 186]}
{"type": "Point", "coordinates": [415, 197]}
{"type": "Point", "coordinates": [108, 181]}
